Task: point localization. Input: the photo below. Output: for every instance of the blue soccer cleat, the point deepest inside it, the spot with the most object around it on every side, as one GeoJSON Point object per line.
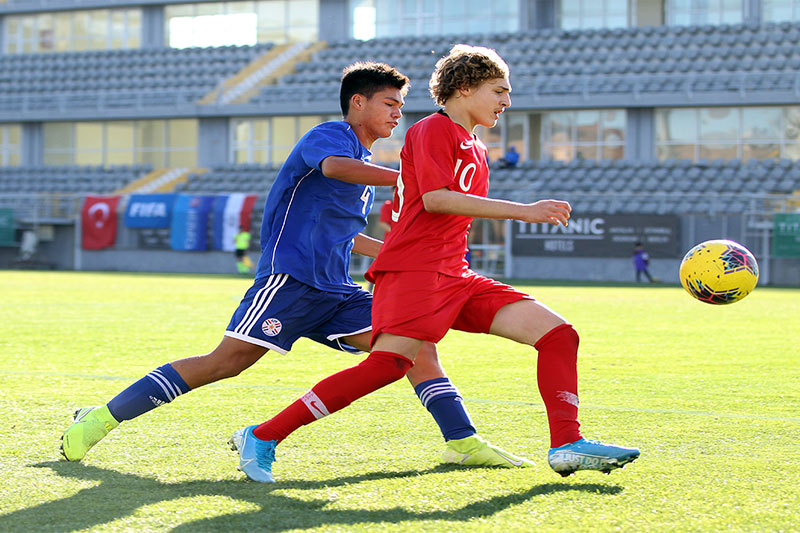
{"type": "Point", "coordinates": [585, 454]}
{"type": "Point", "coordinates": [255, 455]}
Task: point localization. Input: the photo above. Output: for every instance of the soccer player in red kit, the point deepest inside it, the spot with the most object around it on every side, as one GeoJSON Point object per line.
{"type": "Point", "coordinates": [424, 287]}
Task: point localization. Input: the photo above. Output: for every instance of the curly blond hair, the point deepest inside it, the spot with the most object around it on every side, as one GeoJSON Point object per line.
{"type": "Point", "coordinates": [465, 67]}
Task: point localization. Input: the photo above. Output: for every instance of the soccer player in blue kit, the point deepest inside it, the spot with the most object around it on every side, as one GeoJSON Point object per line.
{"type": "Point", "coordinates": [313, 219]}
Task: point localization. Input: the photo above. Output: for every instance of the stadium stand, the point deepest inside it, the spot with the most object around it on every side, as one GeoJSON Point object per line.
{"type": "Point", "coordinates": [118, 78]}
{"type": "Point", "coordinates": [675, 187]}
{"type": "Point", "coordinates": [680, 59]}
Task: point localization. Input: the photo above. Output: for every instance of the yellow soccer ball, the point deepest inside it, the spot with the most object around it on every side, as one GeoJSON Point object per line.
{"type": "Point", "coordinates": [719, 272]}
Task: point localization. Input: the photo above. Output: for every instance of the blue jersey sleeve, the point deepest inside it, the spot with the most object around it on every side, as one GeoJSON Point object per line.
{"type": "Point", "coordinates": [330, 138]}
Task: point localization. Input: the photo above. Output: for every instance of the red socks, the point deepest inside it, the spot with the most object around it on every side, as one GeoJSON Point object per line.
{"type": "Point", "coordinates": [557, 374]}
{"type": "Point", "coordinates": [336, 392]}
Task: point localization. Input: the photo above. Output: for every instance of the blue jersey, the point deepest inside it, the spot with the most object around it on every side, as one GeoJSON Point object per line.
{"type": "Point", "coordinates": [310, 220]}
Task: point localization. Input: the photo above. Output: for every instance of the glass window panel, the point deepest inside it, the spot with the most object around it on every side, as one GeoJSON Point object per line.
{"type": "Point", "coordinates": [80, 30]}
{"type": "Point", "coordinates": [559, 125]}
{"type": "Point", "coordinates": [587, 125]}
{"type": "Point", "coordinates": [58, 158]}
{"type": "Point", "coordinates": [119, 136]}
{"type": "Point", "coordinates": [613, 122]}
{"type": "Point", "coordinates": [94, 157]}
{"type": "Point", "coordinates": [283, 136]}
{"type": "Point", "coordinates": [571, 10]}
{"type": "Point", "coordinates": [613, 152]}
{"type": "Point", "coordinates": [676, 125]}
{"type": "Point", "coordinates": [58, 135]}
{"type": "Point", "coordinates": [675, 151]}
{"type": "Point", "coordinates": [46, 32]}
{"type": "Point", "coordinates": [561, 152]}
{"type": "Point", "coordinates": [302, 33]}
{"type": "Point", "coordinates": [150, 134]}
{"type": "Point", "coordinates": [450, 26]}
{"type": "Point", "coordinates": [515, 133]}
{"type": "Point", "coordinates": [719, 124]}
{"type": "Point", "coordinates": [761, 123]}
{"type": "Point", "coordinates": [586, 152]}
{"type": "Point", "coordinates": [408, 7]}
{"type": "Point", "coordinates": [478, 8]}
{"type": "Point", "coordinates": [592, 15]}
{"type": "Point", "coordinates": [363, 19]}
{"type": "Point", "coordinates": [208, 9]}
{"type": "Point", "coordinates": [182, 158]}
{"type": "Point", "coordinates": [777, 10]}
{"type": "Point", "coordinates": [88, 136]}
{"type": "Point", "coordinates": [241, 131]}
{"type": "Point", "coordinates": [791, 121]}
{"type": "Point", "coordinates": [28, 28]}
{"type": "Point", "coordinates": [454, 8]}
{"type": "Point", "coordinates": [134, 17]}
{"type": "Point", "coordinates": [98, 29]}
{"type": "Point", "coordinates": [731, 11]}
{"type": "Point", "coordinates": [717, 151]}
{"type": "Point", "coordinates": [303, 13]}
{"type": "Point", "coordinates": [761, 151]}
{"type": "Point", "coordinates": [791, 151]}
{"type": "Point", "coordinates": [14, 134]}
{"type": "Point", "coordinates": [307, 122]}
{"type": "Point", "coordinates": [241, 7]}
{"type": "Point", "coordinates": [119, 158]}
{"type": "Point", "coordinates": [150, 156]}
{"type": "Point", "coordinates": [182, 133]}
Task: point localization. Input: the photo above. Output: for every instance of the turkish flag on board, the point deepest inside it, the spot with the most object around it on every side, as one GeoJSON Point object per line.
{"type": "Point", "coordinates": [99, 222]}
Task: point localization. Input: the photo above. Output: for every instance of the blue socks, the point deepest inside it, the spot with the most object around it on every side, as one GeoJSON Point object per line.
{"type": "Point", "coordinates": [158, 387]}
{"type": "Point", "coordinates": [444, 402]}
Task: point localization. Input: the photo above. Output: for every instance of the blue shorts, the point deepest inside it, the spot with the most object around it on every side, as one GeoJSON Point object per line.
{"type": "Point", "coordinates": [278, 310]}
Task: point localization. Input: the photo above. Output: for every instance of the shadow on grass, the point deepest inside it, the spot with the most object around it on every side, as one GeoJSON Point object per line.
{"type": "Point", "coordinates": [120, 495]}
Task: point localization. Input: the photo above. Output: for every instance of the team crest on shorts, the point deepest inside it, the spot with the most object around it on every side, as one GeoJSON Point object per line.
{"type": "Point", "coordinates": [271, 327]}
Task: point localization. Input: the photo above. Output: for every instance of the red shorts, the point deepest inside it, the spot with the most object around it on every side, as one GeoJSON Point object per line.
{"type": "Point", "coordinates": [424, 305]}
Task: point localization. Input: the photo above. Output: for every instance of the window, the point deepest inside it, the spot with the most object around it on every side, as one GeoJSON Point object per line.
{"type": "Point", "coordinates": [574, 14]}
{"type": "Point", "coordinates": [269, 140]}
{"type": "Point", "coordinates": [391, 18]}
{"type": "Point", "coordinates": [10, 145]}
{"type": "Point", "coordinates": [780, 10]}
{"type": "Point", "coordinates": [161, 143]}
{"type": "Point", "coordinates": [586, 134]}
{"type": "Point", "coordinates": [695, 12]}
{"type": "Point", "coordinates": [728, 133]}
{"type": "Point", "coordinates": [241, 23]}
{"type": "Point", "coordinates": [98, 29]}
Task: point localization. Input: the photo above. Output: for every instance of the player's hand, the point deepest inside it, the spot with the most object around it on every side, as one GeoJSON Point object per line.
{"type": "Point", "coordinates": [553, 212]}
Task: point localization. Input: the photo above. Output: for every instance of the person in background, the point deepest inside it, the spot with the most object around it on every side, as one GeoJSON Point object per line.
{"type": "Point", "coordinates": [641, 260]}
{"type": "Point", "coordinates": [243, 263]}
{"type": "Point", "coordinates": [511, 158]}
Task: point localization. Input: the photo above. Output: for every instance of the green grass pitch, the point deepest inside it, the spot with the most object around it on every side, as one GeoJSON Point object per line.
{"type": "Point", "coordinates": [710, 394]}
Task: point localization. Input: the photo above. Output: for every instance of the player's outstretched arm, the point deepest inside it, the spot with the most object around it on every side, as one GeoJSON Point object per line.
{"type": "Point", "coordinates": [366, 245]}
{"type": "Point", "coordinates": [450, 202]}
{"type": "Point", "coordinates": [356, 171]}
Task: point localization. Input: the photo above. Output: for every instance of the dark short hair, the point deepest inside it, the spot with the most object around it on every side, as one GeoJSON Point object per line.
{"type": "Point", "coordinates": [367, 78]}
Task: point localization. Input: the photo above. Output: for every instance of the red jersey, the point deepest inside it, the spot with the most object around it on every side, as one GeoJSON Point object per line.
{"type": "Point", "coordinates": [438, 153]}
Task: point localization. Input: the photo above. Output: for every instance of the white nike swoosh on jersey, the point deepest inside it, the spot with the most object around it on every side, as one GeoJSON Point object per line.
{"type": "Point", "coordinates": [466, 145]}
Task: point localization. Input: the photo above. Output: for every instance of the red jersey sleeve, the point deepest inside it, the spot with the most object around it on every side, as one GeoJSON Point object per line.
{"type": "Point", "coordinates": [433, 154]}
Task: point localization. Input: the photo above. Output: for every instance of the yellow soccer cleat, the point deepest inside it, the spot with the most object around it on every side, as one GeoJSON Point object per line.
{"type": "Point", "coordinates": [474, 451]}
{"type": "Point", "coordinates": [90, 426]}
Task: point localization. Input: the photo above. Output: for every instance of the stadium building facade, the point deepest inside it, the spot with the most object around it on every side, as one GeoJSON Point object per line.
{"type": "Point", "coordinates": [662, 121]}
